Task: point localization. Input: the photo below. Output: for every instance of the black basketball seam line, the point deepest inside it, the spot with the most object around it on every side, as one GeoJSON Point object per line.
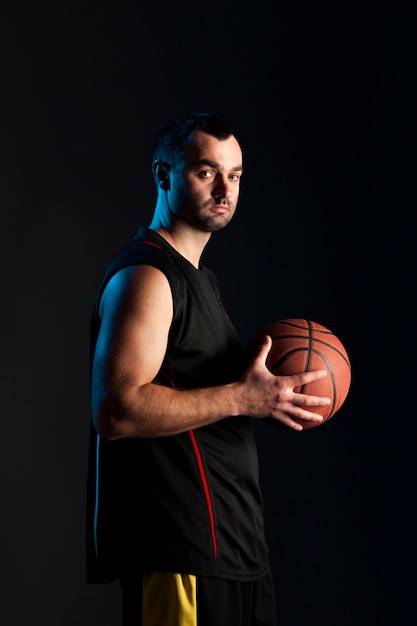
{"type": "Point", "coordinates": [310, 330]}
{"type": "Point", "coordinates": [324, 343]}
{"type": "Point", "coordinates": [309, 326]}
{"type": "Point", "coordinates": [293, 324]}
{"type": "Point", "coordinates": [307, 364]}
{"type": "Point", "coordinates": [255, 346]}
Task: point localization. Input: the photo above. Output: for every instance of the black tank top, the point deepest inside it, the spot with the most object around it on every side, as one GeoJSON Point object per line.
{"type": "Point", "coordinates": [187, 503]}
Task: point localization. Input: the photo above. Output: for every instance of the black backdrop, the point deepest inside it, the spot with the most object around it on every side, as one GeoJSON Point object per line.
{"type": "Point", "coordinates": [321, 98]}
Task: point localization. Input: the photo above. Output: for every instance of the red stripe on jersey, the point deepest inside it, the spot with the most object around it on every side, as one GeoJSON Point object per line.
{"type": "Point", "coordinates": [203, 479]}
{"type": "Point", "coordinates": [147, 243]}
{"type": "Point", "coordinates": [206, 490]}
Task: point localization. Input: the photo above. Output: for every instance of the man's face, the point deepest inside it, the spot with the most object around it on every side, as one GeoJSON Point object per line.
{"type": "Point", "coordinates": [204, 190]}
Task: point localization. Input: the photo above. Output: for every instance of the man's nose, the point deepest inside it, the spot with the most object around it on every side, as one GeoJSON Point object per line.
{"type": "Point", "coordinates": [223, 188]}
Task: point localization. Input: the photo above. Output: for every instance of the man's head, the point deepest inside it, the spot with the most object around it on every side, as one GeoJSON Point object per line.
{"type": "Point", "coordinates": [197, 167]}
{"type": "Point", "coordinates": [171, 141]}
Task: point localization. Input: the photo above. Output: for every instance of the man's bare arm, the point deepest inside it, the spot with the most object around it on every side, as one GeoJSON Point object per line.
{"type": "Point", "coordinates": [136, 313]}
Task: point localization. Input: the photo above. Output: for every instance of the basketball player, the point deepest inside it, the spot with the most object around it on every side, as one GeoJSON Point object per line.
{"type": "Point", "coordinates": [175, 509]}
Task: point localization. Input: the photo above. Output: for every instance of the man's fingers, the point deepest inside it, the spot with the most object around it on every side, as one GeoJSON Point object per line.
{"type": "Point", "coordinates": [308, 377]}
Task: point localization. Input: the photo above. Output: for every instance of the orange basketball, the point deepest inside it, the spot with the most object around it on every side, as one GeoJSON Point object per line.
{"type": "Point", "coordinates": [300, 345]}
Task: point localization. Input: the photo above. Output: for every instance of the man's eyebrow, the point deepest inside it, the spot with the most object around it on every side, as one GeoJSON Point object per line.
{"type": "Point", "coordinates": [217, 166]}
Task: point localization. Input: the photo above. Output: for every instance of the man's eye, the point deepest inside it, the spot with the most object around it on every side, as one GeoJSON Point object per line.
{"type": "Point", "coordinates": [206, 174]}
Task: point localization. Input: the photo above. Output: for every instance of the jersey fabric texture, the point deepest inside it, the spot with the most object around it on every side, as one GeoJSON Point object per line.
{"type": "Point", "coordinates": [191, 502]}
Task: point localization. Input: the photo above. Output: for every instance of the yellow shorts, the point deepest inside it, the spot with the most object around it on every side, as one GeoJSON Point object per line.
{"type": "Point", "coordinates": [179, 606]}
{"type": "Point", "coordinates": [170, 599]}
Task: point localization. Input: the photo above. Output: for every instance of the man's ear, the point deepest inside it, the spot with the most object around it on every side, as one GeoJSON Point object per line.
{"type": "Point", "coordinates": [160, 171]}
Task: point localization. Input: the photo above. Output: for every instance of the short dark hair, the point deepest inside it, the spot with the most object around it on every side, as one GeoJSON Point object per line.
{"type": "Point", "coordinates": [169, 145]}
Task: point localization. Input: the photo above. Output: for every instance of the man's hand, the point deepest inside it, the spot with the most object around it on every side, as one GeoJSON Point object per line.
{"type": "Point", "coordinates": [268, 396]}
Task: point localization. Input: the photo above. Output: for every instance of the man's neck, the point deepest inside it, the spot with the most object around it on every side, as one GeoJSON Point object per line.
{"type": "Point", "coordinates": [187, 241]}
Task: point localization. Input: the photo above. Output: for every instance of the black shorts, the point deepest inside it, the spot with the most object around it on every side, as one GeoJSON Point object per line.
{"type": "Point", "coordinates": [165, 599]}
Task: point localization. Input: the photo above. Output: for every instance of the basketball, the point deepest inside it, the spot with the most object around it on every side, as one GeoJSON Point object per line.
{"type": "Point", "coordinates": [300, 345]}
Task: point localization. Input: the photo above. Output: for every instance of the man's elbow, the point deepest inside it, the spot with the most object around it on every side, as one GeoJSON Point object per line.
{"type": "Point", "coordinates": [108, 421]}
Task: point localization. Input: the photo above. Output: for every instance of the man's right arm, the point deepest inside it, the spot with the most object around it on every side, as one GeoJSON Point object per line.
{"type": "Point", "coordinates": [136, 312]}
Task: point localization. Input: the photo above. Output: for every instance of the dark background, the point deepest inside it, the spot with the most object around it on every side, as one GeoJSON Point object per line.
{"type": "Point", "coordinates": [321, 97]}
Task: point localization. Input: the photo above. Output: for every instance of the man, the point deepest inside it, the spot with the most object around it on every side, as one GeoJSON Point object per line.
{"type": "Point", "coordinates": [175, 509]}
